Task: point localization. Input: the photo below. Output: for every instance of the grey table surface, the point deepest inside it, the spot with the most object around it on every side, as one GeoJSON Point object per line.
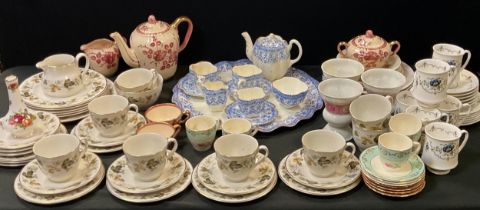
{"type": "Point", "coordinates": [458, 190]}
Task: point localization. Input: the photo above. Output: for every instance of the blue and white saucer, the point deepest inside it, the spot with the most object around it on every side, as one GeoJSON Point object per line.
{"type": "Point", "coordinates": [188, 85]}
{"type": "Point", "coordinates": [267, 115]}
{"type": "Point", "coordinates": [263, 83]}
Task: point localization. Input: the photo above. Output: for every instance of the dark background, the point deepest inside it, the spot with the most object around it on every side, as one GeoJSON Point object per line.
{"type": "Point", "coordinates": [32, 30]}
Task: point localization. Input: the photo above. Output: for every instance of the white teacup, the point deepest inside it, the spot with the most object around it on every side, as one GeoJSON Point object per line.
{"type": "Point", "coordinates": [201, 131]}
{"type": "Point", "coordinates": [342, 68]}
{"type": "Point", "coordinates": [58, 156]}
{"type": "Point", "coordinates": [431, 82]}
{"type": "Point", "coordinates": [168, 113]}
{"type": "Point", "coordinates": [147, 154]}
{"type": "Point", "coordinates": [238, 126]}
{"type": "Point", "coordinates": [407, 124]}
{"type": "Point", "coordinates": [237, 155]}
{"type": "Point", "coordinates": [371, 111]}
{"type": "Point", "coordinates": [136, 80]}
{"type": "Point", "coordinates": [452, 106]}
{"type": "Point", "coordinates": [396, 149]}
{"type": "Point", "coordinates": [383, 81]}
{"type": "Point", "coordinates": [110, 114]}
{"type": "Point", "coordinates": [453, 55]}
{"type": "Point", "coordinates": [427, 115]}
{"type": "Point", "coordinates": [403, 100]}
{"type": "Point", "coordinates": [322, 151]}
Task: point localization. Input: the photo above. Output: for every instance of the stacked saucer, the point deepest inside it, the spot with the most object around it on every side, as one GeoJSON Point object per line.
{"type": "Point", "coordinates": [122, 184]}
{"type": "Point", "coordinates": [474, 115]}
{"type": "Point", "coordinates": [69, 108]}
{"type": "Point", "coordinates": [32, 184]}
{"type": "Point", "coordinates": [406, 181]}
{"type": "Point", "coordinates": [209, 181]}
{"type": "Point", "coordinates": [17, 152]}
{"type": "Point", "coordinates": [86, 132]}
{"type": "Point", "coordinates": [467, 92]}
{"type": "Point", "coordinates": [295, 174]}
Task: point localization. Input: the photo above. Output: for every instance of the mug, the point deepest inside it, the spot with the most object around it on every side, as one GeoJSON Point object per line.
{"type": "Point", "coordinates": [322, 151]}
{"type": "Point", "coordinates": [431, 82]}
{"type": "Point", "coordinates": [201, 131]}
{"type": "Point", "coordinates": [407, 124]}
{"type": "Point", "coordinates": [167, 130]}
{"type": "Point", "coordinates": [403, 100]}
{"type": "Point", "coordinates": [110, 114]}
{"type": "Point", "coordinates": [237, 155]}
{"type": "Point", "coordinates": [58, 156]}
{"type": "Point", "coordinates": [168, 113]}
{"type": "Point", "coordinates": [251, 100]}
{"type": "Point", "coordinates": [453, 55]}
{"type": "Point", "coordinates": [238, 126]}
{"type": "Point", "coordinates": [215, 93]}
{"type": "Point", "coordinates": [452, 106]}
{"type": "Point", "coordinates": [342, 68]}
{"type": "Point", "coordinates": [395, 149]}
{"type": "Point", "coordinates": [147, 155]}
{"type": "Point", "coordinates": [371, 111]}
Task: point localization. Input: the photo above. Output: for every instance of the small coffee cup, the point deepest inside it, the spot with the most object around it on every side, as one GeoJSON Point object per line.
{"type": "Point", "coordinates": [136, 80]}
{"type": "Point", "coordinates": [109, 114]}
{"type": "Point", "coordinates": [147, 154]}
{"type": "Point", "coordinates": [396, 149]}
{"type": "Point", "coordinates": [322, 151]}
{"type": "Point", "coordinates": [167, 130]}
{"type": "Point", "coordinates": [58, 156]}
{"type": "Point", "coordinates": [403, 100]}
{"type": "Point", "coordinates": [452, 106]}
{"type": "Point", "coordinates": [252, 100]}
{"type": "Point", "coordinates": [406, 124]}
{"type": "Point", "coordinates": [246, 72]}
{"type": "Point", "coordinates": [238, 126]}
{"type": "Point", "coordinates": [168, 113]}
{"type": "Point", "coordinates": [215, 95]}
{"type": "Point", "coordinates": [201, 131]}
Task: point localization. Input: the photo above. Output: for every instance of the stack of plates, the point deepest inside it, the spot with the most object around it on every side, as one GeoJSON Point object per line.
{"type": "Point", "coordinates": [69, 108]}
{"type": "Point", "coordinates": [209, 181]}
{"type": "Point", "coordinates": [467, 92]}
{"type": "Point", "coordinates": [295, 174]}
{"type": "Point", "coordinates": [175, 178]}
{"type": "Point", "coordinates": [474, 115]}
{"type": "Point", "coordinates": [18, 152]}
{"type": "Point", "coordinates": [32, 184]}
{"type": "Point", "coordinates": [406, 181]}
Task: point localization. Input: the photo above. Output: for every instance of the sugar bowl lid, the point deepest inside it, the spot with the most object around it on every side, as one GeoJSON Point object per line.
{"type": "Point", "coordinates": [369, 40]}
{"type": "Point", "coordinates": [271, 41]}
{"type": "Point", "coordinates": [152, 26]}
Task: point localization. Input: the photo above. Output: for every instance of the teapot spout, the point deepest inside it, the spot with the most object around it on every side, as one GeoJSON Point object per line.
{"type": "Point", "coordinates": [40, 65]}
{"type": "Point", "coordinates": [127, 53]}
{"type": "Point", "coordinates": [249, 45]}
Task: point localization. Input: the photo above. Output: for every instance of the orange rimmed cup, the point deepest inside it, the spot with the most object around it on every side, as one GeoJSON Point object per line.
{"type": "Point", "coordinates": [165, 129]}
{"type": "Point", "coordinates": [167, 113]}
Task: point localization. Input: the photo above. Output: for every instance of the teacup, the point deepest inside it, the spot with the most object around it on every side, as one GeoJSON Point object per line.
{"type": "Point", "coordinates": [453, 107]}
{"type": "Point", "coordinates": [103, 55]}
{"type": "Point", "coordinates": [383, 81]}
{"type": "Point", "coordinates": [371, 111]}
{"type": "Point", "coordinates": [237, 155]}
{"type": "Point", "coordinates": [215, 95]}
{"type": "Point", "coordinates": [427, 115]}
{"type": "Point", "coordinates": [251, 100]}
{"type": "Point", "coordinates": [342, 68]}
{"type": "Point", "coordinates": [136, 80]}
{"type": "Point", "coordinates": [246, 72]}
{"type": "Point", "coordinates": [58, 156]}
{"type": "Point", "coordinates": [322, 151]}
{"type": "Point", "coordinates": [453, 55]}
{"type": "Point", "coordinates": [168, 113]}
{"type": "Point", "coordinates": [147, 155]}
{"type": "Point", "coordinates": [145, 98]}
{"type": "Point", "coordinates": [366, 138]}
{"type": "Point", "coordinates": [289, 91]}
{"type": "Point", "coordinates": [395, 149]}
{"type": "Point", "coordinates": [109, 114]}
{"type": "Point", "coordinates": [442, 145]}
{"type": "Point", "coordinates": [430, 82]}
{"type": "Point", "coordinates": [403, 100]}
{"type": "Point", "coordinates": [201, 131]}
{"type": "Point", "coordinates": [238, 126]}
{"type": "Point", "coordinates": [407, 124]}
{"type": "Point", "coordinates": [203, 71]}
{"type": "Point", "coordinates": [167, 130]}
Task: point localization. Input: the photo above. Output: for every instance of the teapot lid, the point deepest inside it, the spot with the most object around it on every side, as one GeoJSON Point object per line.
{"type": "Point", "coordinates": [271, 41]}
{"type": "Point", "coordinates": [152, 26]}
{"type": "Point", "coordinates": [369, 40]}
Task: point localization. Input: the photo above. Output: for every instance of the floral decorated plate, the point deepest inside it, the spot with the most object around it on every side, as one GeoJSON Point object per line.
{"type": "Point", "coordinates": [166, 193]}
{"type": "Point", "coordinates": [33, 179]}
{"type": "Point", "coordinates": [286, 117]}
{"type": "Point", "coordinates": [212, 178]}
{"type": "Point", "coordinates": [99, 150]}
{"type": "Point", "coordinates": [265, 84]}
{"type": "Point", "coordinates": [288, 180]}
{"type": "Point", "coordinates": [33, 95]}
{"type": "Point", "coordinates": [188, 85]}
{"type": "Point", "coordinates": [121, 177]}
{"type": "Point", "coordinates": [57, 198]}
{"type": "Point", "coordinates": [348, 172]}
{"type": "Point", "coordinates": [266, 116]}
{"type": "Point", "coordinates": [202, 190]}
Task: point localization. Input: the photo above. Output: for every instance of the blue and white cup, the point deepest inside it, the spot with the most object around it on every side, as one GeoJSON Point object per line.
{"type": "Point", "coordinates": [246, 75]}
{"type": "Point", "coordinates": [215, 95]}
{"type": "Point", "coordinates": [203, 71]}
{"type": "Point", "coordinates": [396, 149]}
{"type": "Point", "coordinates": [251, 101]}
{"type": "Point", "coordinates": [289, 91]}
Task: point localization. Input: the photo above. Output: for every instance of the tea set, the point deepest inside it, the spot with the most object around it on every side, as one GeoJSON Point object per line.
{"type": "Point", "coordinates": [404, 122]}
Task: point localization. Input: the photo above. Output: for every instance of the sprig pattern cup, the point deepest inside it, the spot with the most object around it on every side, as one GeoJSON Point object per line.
{"type": "Point", "coordinates": [452, 106]}
{"type": "Point", "coordinates": [431, 82]}
{"type": "Point", "coordinates": [453, 55]}
{"type": "Point", "coordinates": [395, 150]}
{"type": "Point", "coordinates": [238, 126]}
{"type": "Point", "coordinates": [201, 131]}
{"type": "Point", "coordinates": [403, 100]}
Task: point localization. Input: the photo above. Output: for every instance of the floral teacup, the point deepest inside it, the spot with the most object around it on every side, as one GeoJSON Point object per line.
{"type": "Point", "coordinates": [103, 55]}
{"type": "Point", "coordinates": [403, 100]}
{"type": "Point", "coordinates": [215, 95]}
{"type": "Point", "coordinates": [452, 106]}
{"type": "Point", "coordinates": [453, 55]}
{"type": "Point", "coordinates": [244, 73]}
{"type": "Point", "coordinates": [431, 82]}
{"type": "Point", "coordinates": [251, 100]}
{"type": "Point", "coordinates": [201, 131]}
{"type": "Point", "coordinates": [395, 150]}
{"type": "Point", "coordinates": [371, 111]}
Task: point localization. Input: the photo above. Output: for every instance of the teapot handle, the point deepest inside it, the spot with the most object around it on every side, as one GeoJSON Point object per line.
{"type": "Point", "coordinates": [300, 50]}
{"type": "Point", "coordinates": [393, 43]}
{"type": "Point", "coordinates": [85, 68]}
{"type": "Point", "coordinates": [342, 46]}
{"type": "Point", "coordinates": [189, 30]}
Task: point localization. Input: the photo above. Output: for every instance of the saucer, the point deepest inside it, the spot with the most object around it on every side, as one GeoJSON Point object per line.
{"type": "Point", "coordinates": [263, 83]}
{"type": "Point", "coordinates": [346, 174]}
{"type": "Point", "coordinates": [267, 115]}
{"type": "Point", "coordinates": [468, 82]}
{"type": "Point", "coordinates": [166, 193]}
{"type": "Point", "coordinates": [99, 150]}
{"type": "Point", "coordinates": [212, 195]}
{"type": "Point", "coordinates": [409, 75]}
{"type": "Point", "coordinates": [121, 177]}
{"type": "Point", "coordinates": [288, 180]}
{"type": "Point", "coordinates": [34, 180]}
{"type": "Point", "coordinates": [212, 178]}
{"type": "Point", "coordinates": [86, 131]}
{"type": "Point", "coordinates": [57, 198]}
{"type": "Point", "coordinates": [188, 85]}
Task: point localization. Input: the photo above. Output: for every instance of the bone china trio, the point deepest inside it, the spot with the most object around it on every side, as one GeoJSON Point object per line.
{"type": "Point", "coordinates": [361, 88]}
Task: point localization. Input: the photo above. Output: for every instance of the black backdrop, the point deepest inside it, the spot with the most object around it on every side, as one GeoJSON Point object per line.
{"type": "Point", "coordinates": [32, 30]}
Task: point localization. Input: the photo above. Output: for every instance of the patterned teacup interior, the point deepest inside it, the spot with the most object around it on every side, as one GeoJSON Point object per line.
{"type": "Point", "coordinates": [396, 149]}
{"type": "Point", "coordinates": [109, 114]}
{"type": "Point", "coordinates": [371, 111]}
{"type": "Point", "coordinates": [201, 131]}
{"type": "Point", "coordinates": [136, 80]}
{"type": "Point", "coordinates": [406, 124]}
{"type": "Point", "coordinates": [342, 68]}
{"type": "Point", "coordinates": [238, 126]}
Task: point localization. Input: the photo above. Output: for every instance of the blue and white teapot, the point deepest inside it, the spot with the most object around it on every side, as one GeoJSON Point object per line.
{"type": "Point", "coordinates": [271, 54]}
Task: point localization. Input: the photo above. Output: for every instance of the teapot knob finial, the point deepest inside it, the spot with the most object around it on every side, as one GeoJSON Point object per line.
{"type": "Point", "coordinates": [369, 34]}
{"type": "Point", "coordinates": [151, 19]}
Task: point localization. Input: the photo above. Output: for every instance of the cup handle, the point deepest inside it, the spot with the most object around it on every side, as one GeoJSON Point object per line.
{"type": "Point", "coordinates": [85, 148]}
{"type": "Point", "coordinates": [446, 116]}
{"type": "Point", "coordinates": [390, 99]}
{"type": "Point", "coordinates": [240, 82]}
{"type": "Point", "coordinates": [468, 108]}
{"type": "Point", "coordinates": [253, 131]}
{"type": "Point", "coordinates": [352, 146]}
{"type": "Point", "coordinates": [449, 84]}
{"type": "Point", "coordinates": [219, 124]}
{"type": "Point", "coordinates": [416, 147]}
{"type": "Point", "coordinates": [177, 128]}
{"type": "Point", "coordinates": [469, 55]}
{"type": "Point", "coordinates": [395, 43]}
{"type": "Point", "coordinates": [464, 140]}
{"type": "Point", "coordinates": [177, 22]}
{"type": "Point", "coordinates": [174, 148]}
{"type": "Point", "coordinates": [185, 116]}
{"type": "Point", "coordinates": [414, 79]}
{"type": "Point", "coordinates": [134, 107]}
{"type": "Point", "coordinates": [265, 155]}
{"type": "Point", "coordinates": [340, 50]}
{"type": "Point", "coordinates": [83, 74]}
{"type": "Point", "coordinates": [300, 50]}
